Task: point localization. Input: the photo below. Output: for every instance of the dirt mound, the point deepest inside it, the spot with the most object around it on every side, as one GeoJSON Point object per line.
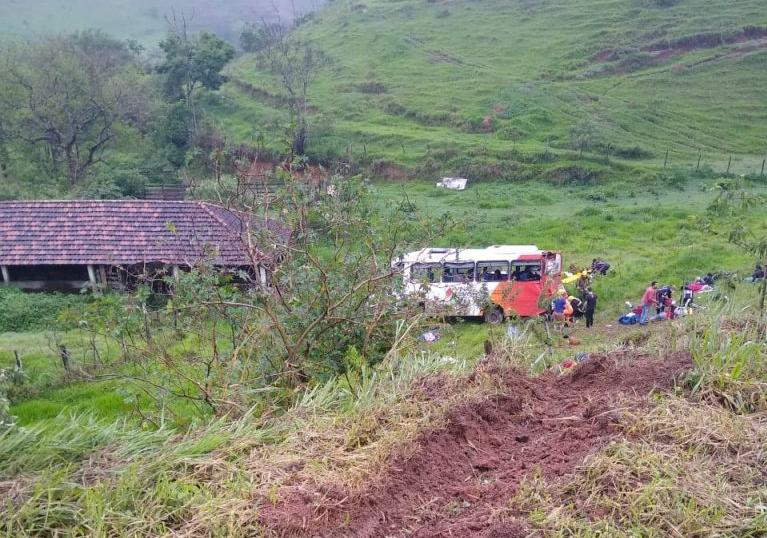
{"type": "Point", "coordinates": [458, 478]}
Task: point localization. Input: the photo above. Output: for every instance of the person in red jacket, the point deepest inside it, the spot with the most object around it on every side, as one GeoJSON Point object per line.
{"type": "Point", "coordinates": [648, 300]}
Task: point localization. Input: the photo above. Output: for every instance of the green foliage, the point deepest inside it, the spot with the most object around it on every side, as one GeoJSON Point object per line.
{"type": "Point", "coordinates": [256, 37]}
{"type": "Point", "coordinates": [29, 311]}
{"type": "Point", "coordinates": [173, 130]}
{"type": "Point", "coordinates": [65, 99]}
{"type": "Point", "coordinates": [192, 62]}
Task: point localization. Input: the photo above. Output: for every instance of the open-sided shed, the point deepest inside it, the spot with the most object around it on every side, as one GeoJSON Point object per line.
{"type": "Point", "coordinates": [77, 243]}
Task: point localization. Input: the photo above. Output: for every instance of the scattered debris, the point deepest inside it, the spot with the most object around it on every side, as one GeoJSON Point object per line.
{"type": "Point", "coordinates": [454, 183]}
{"type": "Point", "coordinates": [430, 336]}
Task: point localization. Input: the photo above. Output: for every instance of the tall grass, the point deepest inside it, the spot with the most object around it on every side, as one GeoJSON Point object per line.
{"type": "Point", "coordinates": [87, 477]}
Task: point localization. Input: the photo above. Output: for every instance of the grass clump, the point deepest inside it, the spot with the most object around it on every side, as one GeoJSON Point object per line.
{"type": "Point", "coordinates": [685, 469]}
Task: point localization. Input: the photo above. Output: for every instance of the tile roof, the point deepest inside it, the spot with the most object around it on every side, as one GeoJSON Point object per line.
{"type": "Point", "coordinates": [121, 232]}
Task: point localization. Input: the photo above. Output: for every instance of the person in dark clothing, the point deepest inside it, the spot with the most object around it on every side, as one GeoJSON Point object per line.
{"type": "Point", "coordinates": [600, 266]}
{"type": "Point", "coordinates": [661, 295]}
{"type": "Point", "coordinates": [709, 279]}
{"type": "Point", "coordinates": [757, 275]}
{"type": "Point", "coordinates": [591, 306]}
{"type": "Point", "coordinates": [687, 296]}
{"type": "Point", "coordinates": [579, 306]}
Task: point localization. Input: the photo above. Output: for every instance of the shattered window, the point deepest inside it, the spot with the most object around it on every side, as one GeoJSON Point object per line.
{"type": "Point", "coordinates": [492, 271]}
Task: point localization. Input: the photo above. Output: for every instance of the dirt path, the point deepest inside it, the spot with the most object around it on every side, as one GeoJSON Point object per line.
{"type": "Point", "coordinates": [460, 477]}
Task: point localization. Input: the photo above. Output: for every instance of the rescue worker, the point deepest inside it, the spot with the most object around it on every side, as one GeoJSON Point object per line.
{"type": "Point", "coordinates": [600, 266]}
{"type": "Point", "coordinates": [583, 282]}
{"type": "Point", "coordinates": [578, 305]}
{"type": "Point", "coordinates": [591, 306]}
{"type": "Point", "coordinates": [558, 306]}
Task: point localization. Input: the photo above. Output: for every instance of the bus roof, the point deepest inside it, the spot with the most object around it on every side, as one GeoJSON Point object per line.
{"type": "Point", "coordinates": [492, 253]}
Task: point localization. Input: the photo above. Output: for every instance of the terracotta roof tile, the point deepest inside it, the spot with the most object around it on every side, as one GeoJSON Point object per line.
{"type": "Point", "coordinates": [120, 232]}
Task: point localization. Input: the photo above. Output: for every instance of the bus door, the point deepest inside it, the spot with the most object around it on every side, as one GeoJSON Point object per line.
{"type": "Point", "coordinates": [527, 278]}
{"type": "Point", "coordinates": [553, 273]}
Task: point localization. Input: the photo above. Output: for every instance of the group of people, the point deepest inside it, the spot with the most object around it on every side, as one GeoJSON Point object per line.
{"type": "Point", "coordinates": [657, 303]}
{"type": "Point", "coordinates": [662, 302]}
{"type": "Point", "coordinates": [565, 309]}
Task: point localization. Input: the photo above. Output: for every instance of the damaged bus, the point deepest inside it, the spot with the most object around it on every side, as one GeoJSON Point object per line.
{"type": "Point", "coordinates": [493, 282]}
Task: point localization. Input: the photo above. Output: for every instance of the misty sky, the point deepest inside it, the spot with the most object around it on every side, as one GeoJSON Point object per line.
{"type": "Point", "coordinates": [142, 20]}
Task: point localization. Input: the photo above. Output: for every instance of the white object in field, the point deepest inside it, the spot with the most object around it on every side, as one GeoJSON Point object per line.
{"type": "Point", "coordinates": [455, 183]}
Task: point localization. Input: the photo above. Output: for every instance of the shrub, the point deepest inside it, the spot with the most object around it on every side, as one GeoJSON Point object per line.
{"type": "Point", "coordinates": [21, 311]}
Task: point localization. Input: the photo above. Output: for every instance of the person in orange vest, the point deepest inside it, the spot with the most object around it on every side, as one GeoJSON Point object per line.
{"type": "Point", "coordinates": [568, 312]}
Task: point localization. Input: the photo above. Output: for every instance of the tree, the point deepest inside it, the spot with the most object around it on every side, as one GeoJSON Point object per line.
{"type": "Point", "coordinates": [733, 199]}
{"type": "Point", "coordinates": [256, 37]}
{"type": "Point", "coordinates": [67, 94]}
{"type": "Point", "coordinates": [192, 62]}
{"type": "Point", "coordinates": [584, 136]}
{"type": "Point", "coordinates": [296, 65]}
{"type": "Point", "coordinates": [330, 304]}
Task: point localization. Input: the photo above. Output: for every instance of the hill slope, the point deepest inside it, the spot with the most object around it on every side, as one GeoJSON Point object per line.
{"type": "Point", "coordinates": [480, 85]}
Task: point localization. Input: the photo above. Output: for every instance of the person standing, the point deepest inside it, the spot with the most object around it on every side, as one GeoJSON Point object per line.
{"type": "Point", "coordinates": [591, 306]}
{"type": "Point", "coordinates": [558, 309]}
{"type": "Point", "coordinates": [648, 300]}
{"type": "Point", "coordinates": [583, 282]}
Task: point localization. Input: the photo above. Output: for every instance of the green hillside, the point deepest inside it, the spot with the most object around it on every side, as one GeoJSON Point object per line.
{"type": "Point", "coordinates": [492, 86]}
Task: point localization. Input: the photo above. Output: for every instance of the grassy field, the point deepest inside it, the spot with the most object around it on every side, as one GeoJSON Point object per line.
{"type": "Point", "coordinates": [413, 82]}
{"type": "Point", "coordinates": [646, 231]}
{"type": "Point", "coordinates": [491, 90]}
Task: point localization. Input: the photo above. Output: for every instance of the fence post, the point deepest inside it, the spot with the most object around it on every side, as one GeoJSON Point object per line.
{"type": "Point", "coordinates": [699, 156]}
{"type": "Point", "coordinates": [64, 357]}
{"type": "Point", "coordinates": [729, 163]}
{"type": "Point", "coordinates": [665, 161]}
{"type": "Point", "coordinates": [763, 161]}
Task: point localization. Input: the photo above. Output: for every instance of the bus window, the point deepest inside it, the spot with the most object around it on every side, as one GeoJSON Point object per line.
{"type": "Point", "coordinates": [425, 272]}
{"type": "Point", "coordinates": [458, 272]}
{"type": "Point", "coordinates": [492, 271]}
{"type": "Point", "coordinates": [525, 271]}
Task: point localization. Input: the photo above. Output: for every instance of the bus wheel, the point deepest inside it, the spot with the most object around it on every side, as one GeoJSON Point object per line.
{"type": "Point", "coordinates": [494, 315]}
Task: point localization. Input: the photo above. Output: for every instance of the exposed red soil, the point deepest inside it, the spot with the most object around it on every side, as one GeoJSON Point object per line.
{"type": "Point", "coordinates": [458, 479]}
{"type": "Point", "coordinates": [665, 49]}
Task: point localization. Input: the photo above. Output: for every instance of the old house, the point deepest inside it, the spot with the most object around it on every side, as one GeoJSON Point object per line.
{"type": "Point", "coordinates": [91, 243]}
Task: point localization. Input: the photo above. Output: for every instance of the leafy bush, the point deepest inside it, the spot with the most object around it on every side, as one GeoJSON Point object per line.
{"type": "Point", "coordinates": [21, 311]}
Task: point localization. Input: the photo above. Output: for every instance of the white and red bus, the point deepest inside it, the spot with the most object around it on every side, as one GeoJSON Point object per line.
{"type": "Point", "coordinates": [493, 282]}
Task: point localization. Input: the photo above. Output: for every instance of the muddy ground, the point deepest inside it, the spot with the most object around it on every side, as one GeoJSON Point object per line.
{"type": "Point", "coordinates": [459, 479]}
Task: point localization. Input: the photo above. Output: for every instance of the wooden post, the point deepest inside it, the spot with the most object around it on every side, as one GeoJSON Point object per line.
{"type": "Point", "coordinates": [18, 360]}
{"type": "Point", "coordinates": [763, 161]}
{"type": "Point", "coordinates": [665, 161]}
{"type": "Point", "coordinates": [92, 278]}
{"type": "Point", "coordinates": [6, 274]}
{"type": "Point", "coordinates": [64, 357]}
{"type": "Point", "coordinates": [700, 154]}
{"type": "Point", "coordinates": [103, 281]}
{"type": "Point", "coordinates": [729, 163]}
